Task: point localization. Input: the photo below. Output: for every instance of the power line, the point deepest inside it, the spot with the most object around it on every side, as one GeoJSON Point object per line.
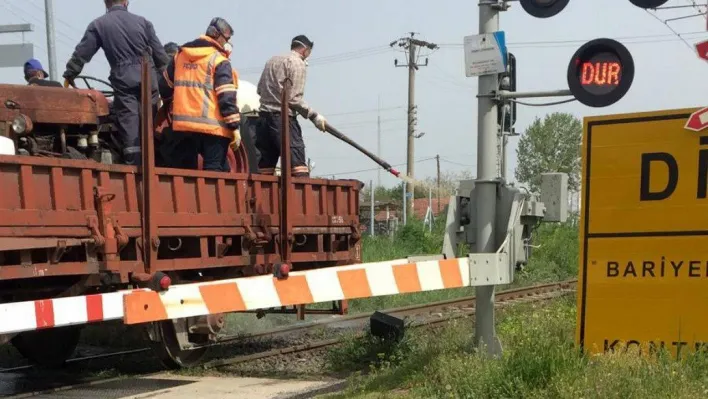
{"type": "Point", "coordinates": [366, 111]}
{"type": "Point", "coordinates": [671, 29]}
{"type": "Point", "coordinates": [449, 78]}
{"type": "Point", "coordinates": [375, 169]}
{"type": "Point", "coordinates": [11, 8]}
{"type": "Point", "coordinates": [5, 6]}
{"type": "Point", "coordinates": [694, 5]}
{"type": "Point", "coordinates": [562, 43]}
{"type": "Point", "coordinates": [41, 8]}
{"type": "Point", "coordinates": [456, 163]}
{"type": "Point", "coordinates": [351, 55]}
{"type": "Point", "coordinates": [363, 123]}
{"type": "Point", "coordinates": [334, 58]}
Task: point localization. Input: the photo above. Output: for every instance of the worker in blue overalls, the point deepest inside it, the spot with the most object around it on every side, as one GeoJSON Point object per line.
{"type": "Point", "coordinates": [124, 37]}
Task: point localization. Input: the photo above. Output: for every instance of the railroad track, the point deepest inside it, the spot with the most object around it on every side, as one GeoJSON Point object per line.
{"type": "Point", "coordinates": [426, 315]}
{"type": "Point", "coordinates": [462, 307]}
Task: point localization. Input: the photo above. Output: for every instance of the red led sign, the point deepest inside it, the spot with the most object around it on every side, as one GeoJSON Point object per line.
{"type": "Point", "coordinates": [601, 73]}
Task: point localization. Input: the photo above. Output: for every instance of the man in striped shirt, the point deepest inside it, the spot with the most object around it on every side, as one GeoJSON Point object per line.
{"type": "Point", "coordinates": [292, 66]}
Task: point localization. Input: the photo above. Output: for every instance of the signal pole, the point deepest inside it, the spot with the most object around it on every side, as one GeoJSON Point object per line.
{"type": "Point", "coordinates": [490, 93]}
{"type": "Point", "coordinates": [411, 46]}
{"type": "Point", "coordinates": [486, 184]}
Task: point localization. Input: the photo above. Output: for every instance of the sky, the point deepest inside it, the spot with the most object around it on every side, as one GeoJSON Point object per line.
{"type": "Point", "coordinates": [352, 67]}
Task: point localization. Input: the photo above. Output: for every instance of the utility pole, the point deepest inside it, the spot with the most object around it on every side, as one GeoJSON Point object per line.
{"type": "Point", "coordinates": [51, 46]}
{"type": "Point", "coordinates": [486, 184]}
{"type": "Point", "coordinates": [411, 46]}
{"type": "Point", "coordinates": [437, 159]}
{"type": "Point", "coordinates": [373, 207]}
{"type": "Point", "coordinates": [378, 141]}
{"type": "Point", "coordinates": [410, 147]}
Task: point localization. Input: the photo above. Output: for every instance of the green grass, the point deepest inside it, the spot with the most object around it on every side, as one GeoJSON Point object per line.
{"type": "Point", "coordinates": [555, 259]}
{"type": "Point", "coordinates": [540, 360]}
{"type": "Point", "coordinates": [554, 256]}
{"type": "Point", "coordinates": [540, 357]}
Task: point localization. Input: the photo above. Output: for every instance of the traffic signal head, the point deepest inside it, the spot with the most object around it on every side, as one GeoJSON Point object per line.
{"type": "Point", "coordinates": [600, 72]}
{"type": "Point", "coordinates": [507, 81]}
{"type": "Point", "coordinates": [648, 3]}
{"type": "Point", "coordinates": [543, 8]}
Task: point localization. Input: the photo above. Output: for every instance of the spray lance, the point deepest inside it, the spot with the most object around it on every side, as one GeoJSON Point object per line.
{"type": "Point", "coordinates": [336, 133]}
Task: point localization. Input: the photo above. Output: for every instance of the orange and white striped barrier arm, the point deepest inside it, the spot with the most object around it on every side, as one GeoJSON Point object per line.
{"type": "Point", "coordinates": [313, 286]}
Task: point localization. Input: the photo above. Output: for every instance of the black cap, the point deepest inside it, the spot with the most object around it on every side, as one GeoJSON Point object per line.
{"type": "Point", "coordinates": [303, 40]}
{"type": "Point", "coordinates": [219, 27]}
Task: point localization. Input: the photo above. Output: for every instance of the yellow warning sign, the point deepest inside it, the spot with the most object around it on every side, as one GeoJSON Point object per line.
{"type": "Point", "coordinates": [644, 229]}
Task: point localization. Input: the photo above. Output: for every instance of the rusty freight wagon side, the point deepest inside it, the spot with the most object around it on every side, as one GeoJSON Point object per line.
{"type": "Point", "coordinates": [61, 218]}
{"type": "Point", "coordinates": [73, 227]}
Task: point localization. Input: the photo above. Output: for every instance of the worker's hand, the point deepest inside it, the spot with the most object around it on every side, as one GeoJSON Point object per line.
{"type": "Point", "coordinates": [67, 83]}
{"type": "Point", "coordinates": [319, 121]}
{"type": "Point", "coordinates": [236, 142]}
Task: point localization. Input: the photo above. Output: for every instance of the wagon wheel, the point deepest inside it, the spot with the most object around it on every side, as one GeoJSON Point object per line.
{"type": "Point", "coordinates": [48, 348]}
{"type": "Point", "coordinates": [52, 347]}
{"type": "Point", "coordinates": [168, 350]}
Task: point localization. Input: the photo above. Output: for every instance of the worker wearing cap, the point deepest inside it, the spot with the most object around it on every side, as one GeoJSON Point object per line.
{"type": "Point", "coordinates": [124, 37]}
{"type": "Point", "coordinates": [35, 75]}
{"type": "Point", "coordinates": [202, 86]}
{"type": "Point", "coordinates": [171, 49]}
{"type": "Point", "coordinates": [163, 118]}
{"type": "Point", "coordinates": [292, 66]}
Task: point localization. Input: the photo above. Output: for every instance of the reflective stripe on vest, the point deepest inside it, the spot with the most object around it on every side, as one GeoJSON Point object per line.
{"type": "Point", "coordinates": [208, 92]}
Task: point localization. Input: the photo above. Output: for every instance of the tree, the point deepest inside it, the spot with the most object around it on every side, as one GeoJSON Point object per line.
{"type": "Point", "coordinates": [551, 145]}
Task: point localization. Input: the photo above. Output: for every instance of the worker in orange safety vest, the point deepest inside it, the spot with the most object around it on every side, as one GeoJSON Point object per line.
{"type": "Point", "coordinates": [202, 86]}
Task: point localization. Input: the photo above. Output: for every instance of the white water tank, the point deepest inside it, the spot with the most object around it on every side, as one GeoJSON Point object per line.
{"type": "Point", "coordinates": [7, 146]}
{"type": "Point", "coordinates": [247, 98]}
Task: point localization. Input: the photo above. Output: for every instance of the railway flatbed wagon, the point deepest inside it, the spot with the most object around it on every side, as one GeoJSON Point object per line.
{"type": "Point", "coordinates": [76, 226]}
{"type": "Point", "coordinates": [70, 227]}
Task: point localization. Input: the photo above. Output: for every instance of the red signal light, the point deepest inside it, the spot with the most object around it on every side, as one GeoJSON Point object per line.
{"type": "Point", "coordinates": [600, 73]}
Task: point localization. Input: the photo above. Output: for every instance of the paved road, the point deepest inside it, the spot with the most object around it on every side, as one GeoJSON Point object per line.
{"type": "Point", "coordinates": [177, 387]}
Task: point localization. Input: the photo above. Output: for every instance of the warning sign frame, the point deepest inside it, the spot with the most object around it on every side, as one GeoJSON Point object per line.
{"type": "Point", "coordinates": [586, 235]}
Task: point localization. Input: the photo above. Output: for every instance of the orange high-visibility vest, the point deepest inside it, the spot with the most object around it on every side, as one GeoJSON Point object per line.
{"type": "Point", "coordinates": [195, 104]}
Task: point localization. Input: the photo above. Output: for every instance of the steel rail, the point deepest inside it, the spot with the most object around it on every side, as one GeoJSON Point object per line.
{"type": "Point", "coordinates": [503, 299]}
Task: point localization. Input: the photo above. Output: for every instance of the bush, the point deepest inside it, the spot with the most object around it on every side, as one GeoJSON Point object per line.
{"type": "Point", "coordinates": [410, 240]}
{"type": "Point", "coordinates": [554, 256]}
